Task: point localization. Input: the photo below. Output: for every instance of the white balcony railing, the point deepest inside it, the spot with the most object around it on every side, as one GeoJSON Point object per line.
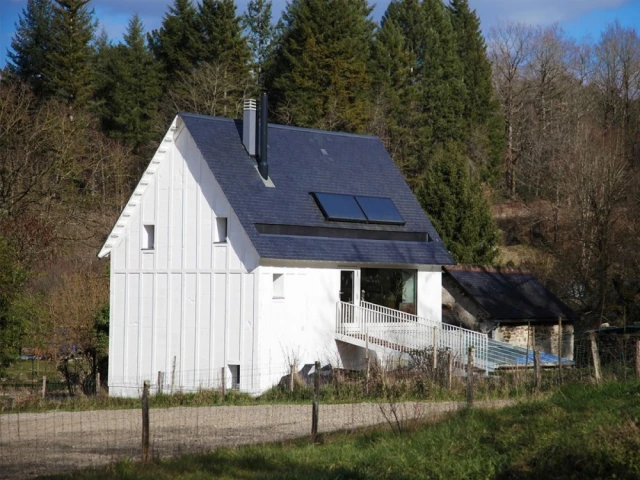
{"type": "Point", "coordinates": [404, 332]}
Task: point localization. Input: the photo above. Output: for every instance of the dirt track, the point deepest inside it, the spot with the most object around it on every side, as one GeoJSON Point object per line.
{"type": "Point", "coordinates": [33, 444]}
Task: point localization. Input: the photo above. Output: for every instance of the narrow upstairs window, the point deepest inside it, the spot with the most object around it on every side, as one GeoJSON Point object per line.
{"type": "Point", "coordinates": [278, 285]}
{"type": "Point", "coordinates": [148, 237]}
{"type": "Point", "coordinates": [221, 230]}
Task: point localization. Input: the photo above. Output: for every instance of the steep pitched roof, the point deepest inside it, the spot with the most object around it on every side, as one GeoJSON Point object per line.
{"type": "Point", "coordinates": [303, 161]}
{"type": "Point", "coordinates": [508, 294]}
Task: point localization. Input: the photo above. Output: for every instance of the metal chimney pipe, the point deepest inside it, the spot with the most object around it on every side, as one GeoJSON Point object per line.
{"type": "Point", "coordinates": [263, 165]}
{"type": "Point", "coordinates": [249, 138]}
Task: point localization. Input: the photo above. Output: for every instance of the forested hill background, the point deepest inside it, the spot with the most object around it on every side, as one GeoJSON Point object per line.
{"type": "Point", "coordinates": [521, 143]}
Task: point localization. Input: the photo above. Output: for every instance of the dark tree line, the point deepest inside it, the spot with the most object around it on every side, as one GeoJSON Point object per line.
{"type": "Point", "coordinates": [524, 117]}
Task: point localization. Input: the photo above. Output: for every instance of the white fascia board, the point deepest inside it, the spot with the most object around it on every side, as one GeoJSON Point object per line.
{"type": "Point", "coordinates": [119, 229]}
{"type": "Point", "coordinates": [274, 262]}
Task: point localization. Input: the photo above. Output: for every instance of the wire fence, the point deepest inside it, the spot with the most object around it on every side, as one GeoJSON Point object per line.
{"type": "Point", "coordinates": [189, 416]}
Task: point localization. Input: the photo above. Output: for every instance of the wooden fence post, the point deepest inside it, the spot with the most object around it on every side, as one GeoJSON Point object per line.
{"type": "Point", "coordinates": [160, 382]}
{"type": "Point", "coordinates": [145, 422]}
{"type": "Point", "coordinates": [435, 352]}
{"type": "Point", "coordinates": [596, 357]}
{"type": "Point", "coordinates": [292, 369]}
{"type": "Point", "coordinates": [173, 376]}
{"type": "Point", "coordinates": [224, 384]}
{"type": "Point", "coordinates": [560, 347]}
{"type": "Point", "coordinates": [638, 358]}
{"type": "Point", "coordinates": [97, 383]}
{"type": "Point", "coordinates": [470, 378]}
{"type": "Point", "coordinates": [314, 408]}
{"type": "Point", "coordinates": [537, 368]}
{"type": "Point", "coordinates": [44, 387]}
{"type": "Point", "coordinates": [449, 369]}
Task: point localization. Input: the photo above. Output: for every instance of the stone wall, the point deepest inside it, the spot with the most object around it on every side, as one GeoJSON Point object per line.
{"type": "Point", "coordinates": [459, 309]}
{"type": "Point", "coordinates": [544, 337]}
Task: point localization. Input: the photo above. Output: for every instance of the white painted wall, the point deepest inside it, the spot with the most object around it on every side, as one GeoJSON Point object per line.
{"type": "Point", "coordinates": [430, 292]}
{"type": "Point", "coordinates": [300, 326]}
{"type": "Point", "coordinates": [188, 298]}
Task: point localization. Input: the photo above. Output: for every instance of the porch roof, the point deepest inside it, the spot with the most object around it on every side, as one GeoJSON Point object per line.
{"type": "Point", "coordinates": [508, 294]}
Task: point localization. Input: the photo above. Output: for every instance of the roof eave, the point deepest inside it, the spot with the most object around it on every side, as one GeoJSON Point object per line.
{"type": "Point", "coordinates": [118, 231]}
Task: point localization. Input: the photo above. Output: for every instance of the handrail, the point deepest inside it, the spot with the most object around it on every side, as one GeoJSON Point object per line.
{"type": "Point", "coordinates": [405, 332]}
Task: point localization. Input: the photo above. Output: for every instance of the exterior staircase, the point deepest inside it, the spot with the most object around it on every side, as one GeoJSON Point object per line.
{"type": "Point", "coordinates": [387, 330]}
{"type": "Point", "coordinates": [380, 328]}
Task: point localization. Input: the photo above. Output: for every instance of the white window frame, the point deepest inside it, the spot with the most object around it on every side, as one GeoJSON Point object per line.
{"type": "Point", "coordinates": [222, 227]}
{"type": "Point", "coordinates": [278, 284]}
{"type": "Point", "coordinates": [148, 237]}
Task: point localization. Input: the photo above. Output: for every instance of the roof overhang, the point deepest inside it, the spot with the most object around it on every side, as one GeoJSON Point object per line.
{"type": "Point", "coordinates": [119, 229]}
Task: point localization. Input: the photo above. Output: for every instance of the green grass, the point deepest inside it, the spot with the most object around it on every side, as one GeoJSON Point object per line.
{"type": "Point", "coordinates": [28, 371]}
{"type": "Point", "coordinates": [409, 387]}
{"type": "Point", "coordinates": [579, 432]}
{"type": "Point", "coordinates": [353, 390]}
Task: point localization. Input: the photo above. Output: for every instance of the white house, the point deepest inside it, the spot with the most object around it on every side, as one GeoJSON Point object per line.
{"type": "Point", "coordinates": [226, 258]}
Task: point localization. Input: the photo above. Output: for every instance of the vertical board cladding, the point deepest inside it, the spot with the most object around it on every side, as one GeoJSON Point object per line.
{"type": "Point", "coordinates": [145, 343]}
{"type": "Point", "coordinates": [204, 322]}
{"type": "Point", "coordinates": [132, 327]}
{"type": "Point", "coordinates": [188, 364]}
{"type": "Point", "coordinates": [176, 232]}
{"type": "Point", "coordinates": [219, 317]}
{"type": "Point", "coordinates": [187, 298]}
{"type": "Point", "coordinates": [117, 327]}
{"type": "Point", "coordinates": [234, 321]}
{"type": "Point", "coordinates": [160, 324]}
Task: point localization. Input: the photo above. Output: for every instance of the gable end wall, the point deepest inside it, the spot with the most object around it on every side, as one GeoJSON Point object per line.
{"type": "Point", "coordinates": [188, 299]}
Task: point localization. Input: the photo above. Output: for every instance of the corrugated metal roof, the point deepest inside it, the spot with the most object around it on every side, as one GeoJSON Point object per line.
{"type": "Point", "coordinates": [353, 164]}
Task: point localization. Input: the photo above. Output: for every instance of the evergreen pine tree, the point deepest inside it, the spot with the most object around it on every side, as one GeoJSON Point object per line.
{"type": "Point", "coordinates": [68, 71]}
{"type": "Point", "coordinates": [130, 88]}
{"type": "Point", "coordinates": [31, 43]}
{"type": "Point", "coordinates": [456, 205]}
{"type": "Point", "coordinates": [481, 109]}
{"type": "Point", "coordinates": [222, 39]}
{"type": "Point", "coordinates": [318, 76]}
{"type": "Point", "coordinates": [177, 44]}
{"type": "Point", "coordinates": [260, 32]}
{"type": "Point", "coordinates": [427, 101]}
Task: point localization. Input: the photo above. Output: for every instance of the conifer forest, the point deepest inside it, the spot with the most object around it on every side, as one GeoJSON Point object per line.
{"type": "Point", "coordinates": [521, 143]}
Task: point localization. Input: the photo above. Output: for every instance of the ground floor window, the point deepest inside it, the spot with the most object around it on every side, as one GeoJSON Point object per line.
{"type": "Point", "coordinates": [390, 288]}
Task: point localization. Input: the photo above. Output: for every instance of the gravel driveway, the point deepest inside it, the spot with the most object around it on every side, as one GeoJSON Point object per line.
{"type": "Point", "coordinates": [33, 444]}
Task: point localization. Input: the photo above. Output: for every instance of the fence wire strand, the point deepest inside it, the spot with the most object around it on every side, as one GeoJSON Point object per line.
{"type": "Point", "coordinates": [196, 415]}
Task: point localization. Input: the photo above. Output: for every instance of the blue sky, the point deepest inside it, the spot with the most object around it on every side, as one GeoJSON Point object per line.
{"type": "Point", "coordinates": [578, 17]}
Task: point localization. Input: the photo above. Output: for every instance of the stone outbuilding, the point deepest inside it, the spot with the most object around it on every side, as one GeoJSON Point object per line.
{"type": "Point", "coordinates": [510, 305]}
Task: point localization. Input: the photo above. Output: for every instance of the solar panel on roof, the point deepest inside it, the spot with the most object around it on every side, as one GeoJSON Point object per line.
{"type": "Point", "coordinates": [339, 207]}
{"type": "Point", "coordinates": [380, 210]}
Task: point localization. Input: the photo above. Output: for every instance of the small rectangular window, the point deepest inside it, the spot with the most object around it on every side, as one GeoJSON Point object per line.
{"type": "Point", "coordinates": [235, 376]}
{"type": "Point", "coordinates": [278, 285]}
{"type": "Point", "coordinates": [148, 237]}
{"type": "Point", "coordinates": [221, 230]}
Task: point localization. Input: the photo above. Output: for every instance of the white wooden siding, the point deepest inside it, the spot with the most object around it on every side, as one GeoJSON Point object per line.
{"type": "Point", "coordinates": [187, 298]}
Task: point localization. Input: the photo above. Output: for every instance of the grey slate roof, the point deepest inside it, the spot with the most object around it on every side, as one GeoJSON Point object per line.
{"type": "Point", "coordinates": [354, 164]}
{"type": "Point", "coordinates": [510, 295]}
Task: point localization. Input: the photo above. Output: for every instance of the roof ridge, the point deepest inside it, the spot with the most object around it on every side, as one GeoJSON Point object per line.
{"type": "Point", "coordinates": [281, 127]}
{"type": "Point", "coordinates": [488, 269]}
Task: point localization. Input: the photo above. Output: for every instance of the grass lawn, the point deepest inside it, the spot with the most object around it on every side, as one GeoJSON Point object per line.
{"type": "Point", "coordinates": [30, 371]}
{"type": "Point", "coordinates": [581, 432]}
